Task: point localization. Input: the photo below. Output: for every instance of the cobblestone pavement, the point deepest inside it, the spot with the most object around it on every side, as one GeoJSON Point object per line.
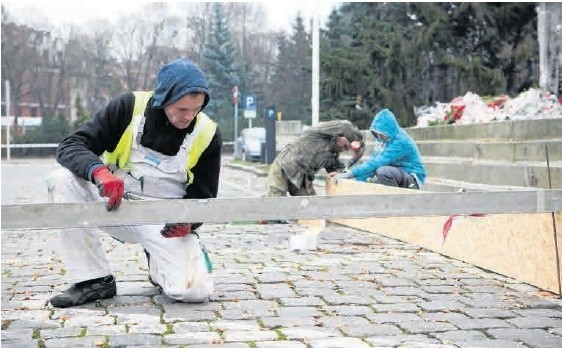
{"type": "Point", "coordinates": [357, 290]}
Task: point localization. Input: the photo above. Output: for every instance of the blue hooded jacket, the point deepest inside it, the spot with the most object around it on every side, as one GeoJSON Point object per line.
{"type": "Point", "coordinates": [176, 79]}
{"type": "Point", "coordinates": [399, 150]}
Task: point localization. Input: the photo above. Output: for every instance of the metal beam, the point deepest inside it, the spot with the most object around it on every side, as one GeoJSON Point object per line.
{"type": "Point", "coordinates": [220, 210]}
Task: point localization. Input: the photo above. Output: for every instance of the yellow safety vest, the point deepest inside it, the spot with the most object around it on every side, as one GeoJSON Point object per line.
{"type": "Point", "coordinates": [120, 156]}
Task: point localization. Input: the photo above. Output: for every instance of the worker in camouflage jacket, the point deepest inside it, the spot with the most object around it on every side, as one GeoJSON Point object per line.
{"type": "Point", "coordinates": [293, 170]}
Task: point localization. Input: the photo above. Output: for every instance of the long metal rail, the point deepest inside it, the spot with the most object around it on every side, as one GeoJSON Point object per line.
{"type": "Point", "coordinates": [220, 210]}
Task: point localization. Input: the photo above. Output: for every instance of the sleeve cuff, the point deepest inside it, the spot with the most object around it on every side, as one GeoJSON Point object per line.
{"type": "Point", "coordinates": [91, 169]}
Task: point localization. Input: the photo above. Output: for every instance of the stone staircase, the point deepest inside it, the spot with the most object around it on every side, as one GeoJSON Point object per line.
{"type": "Point", "coordinates": [492, 156]}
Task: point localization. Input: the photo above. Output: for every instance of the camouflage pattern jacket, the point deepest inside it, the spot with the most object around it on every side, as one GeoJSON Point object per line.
{"type": "Point", "coordinates": [315, 149]}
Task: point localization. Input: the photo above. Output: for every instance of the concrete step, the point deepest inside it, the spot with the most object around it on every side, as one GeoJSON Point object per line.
{"type": "Point", "coordinates": [493, 149]}
{"type": "Point", "coordinates": [536, 129]}
{"type": "Point", "coordinates": [522, 173]}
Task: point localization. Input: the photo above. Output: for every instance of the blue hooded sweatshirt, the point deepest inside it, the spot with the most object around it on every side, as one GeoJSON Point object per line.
{"type": "Point", "coordinates": [176, 79]}
{"type": "Point", "coordinates": [399, 150]}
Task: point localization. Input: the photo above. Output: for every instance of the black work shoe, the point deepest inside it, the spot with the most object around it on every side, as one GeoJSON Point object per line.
{"type": "Point", "coordinates": [86, 291]}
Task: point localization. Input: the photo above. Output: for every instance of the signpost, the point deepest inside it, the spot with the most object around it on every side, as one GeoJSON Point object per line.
{"type": "Point", "coordinates": [235, 102]}
{"type": "Point", "coordinates": [270, 149]}
{"type": "Point", "coordinates": [250, 106]}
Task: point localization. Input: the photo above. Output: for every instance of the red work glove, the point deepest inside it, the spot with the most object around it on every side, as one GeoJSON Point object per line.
{"type": "Point", "coordinates": [110, 186]}
{"type": "Point", "coordinates": [175, 230]}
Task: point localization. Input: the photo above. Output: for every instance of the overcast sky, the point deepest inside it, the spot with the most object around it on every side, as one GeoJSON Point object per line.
{"type": "Point", "coordinates": [281, 13]}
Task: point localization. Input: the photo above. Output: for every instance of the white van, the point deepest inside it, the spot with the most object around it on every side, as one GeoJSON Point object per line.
{"type": "Point", "coordinates": [252, 138]}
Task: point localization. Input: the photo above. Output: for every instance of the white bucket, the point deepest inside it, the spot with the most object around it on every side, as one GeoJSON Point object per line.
{"type": "Point", "coordinates": [303, 239]}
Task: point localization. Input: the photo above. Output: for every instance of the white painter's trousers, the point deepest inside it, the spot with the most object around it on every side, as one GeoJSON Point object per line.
{"type": "Point", "coordinates": [177, 264]}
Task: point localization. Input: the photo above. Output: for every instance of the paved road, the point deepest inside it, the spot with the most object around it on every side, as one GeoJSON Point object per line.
{"type": "Point", "coordinates": [356, 290]}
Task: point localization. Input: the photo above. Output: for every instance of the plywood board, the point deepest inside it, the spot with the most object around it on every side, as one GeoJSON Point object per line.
{"type": "Point", "coordinates": [520, 246]}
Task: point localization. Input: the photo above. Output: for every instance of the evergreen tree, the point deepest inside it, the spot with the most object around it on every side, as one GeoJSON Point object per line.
{"type": "Point", "coordinates": [218, 59]}
{"type": "Point", "coordinates": [402, 55]}
{"type": "Point", "coordinates": [81, 114]}
{"type": "Point", "coordinates": [291, 81]}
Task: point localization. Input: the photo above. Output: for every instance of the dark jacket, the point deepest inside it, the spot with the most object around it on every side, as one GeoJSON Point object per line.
{"type": "Point", "coordinates": [83, 148]}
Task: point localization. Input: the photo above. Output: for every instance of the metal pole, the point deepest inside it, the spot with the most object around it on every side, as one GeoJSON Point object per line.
{"type": "Point", "coordinates": [235, 122]}
{"type": "Point", "coordinates": [542, 31]}
{"type": "Point", "coordinates": [235, 102]}
{"type": "Point", "coordinates": [8, 151]}
{"type": "Point", "coordinates": [315, 68]}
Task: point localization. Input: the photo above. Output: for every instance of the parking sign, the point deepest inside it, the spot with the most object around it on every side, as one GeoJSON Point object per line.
{"type": "Point", "coordinates": [250, 105]}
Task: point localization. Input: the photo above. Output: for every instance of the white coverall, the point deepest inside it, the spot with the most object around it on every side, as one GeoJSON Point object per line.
{"type": "Point", "coordinates": [178, 265]}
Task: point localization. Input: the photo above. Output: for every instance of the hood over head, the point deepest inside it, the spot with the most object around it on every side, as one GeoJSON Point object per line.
{"type": "Point", "coordinates": [176, 79]}
{"type": "Point", "coordinates": [385, 122]}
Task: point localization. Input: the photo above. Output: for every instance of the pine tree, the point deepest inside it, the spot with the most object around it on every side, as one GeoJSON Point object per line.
{"type": "Point", "coordinates": [218, 60]}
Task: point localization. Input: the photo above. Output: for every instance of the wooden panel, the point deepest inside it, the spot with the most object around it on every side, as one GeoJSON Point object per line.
{"type": "Point", "coordinates": [520, 246]}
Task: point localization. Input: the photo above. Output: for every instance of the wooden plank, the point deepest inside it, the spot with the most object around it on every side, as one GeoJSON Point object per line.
{"type": "Point", "coordinates": [519, 246]}
{"type": "Point", "coordinates": [93, 214]}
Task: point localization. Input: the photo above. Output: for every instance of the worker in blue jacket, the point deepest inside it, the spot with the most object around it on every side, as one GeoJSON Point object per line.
{"type": "Point", "coordinates": [398, 163]}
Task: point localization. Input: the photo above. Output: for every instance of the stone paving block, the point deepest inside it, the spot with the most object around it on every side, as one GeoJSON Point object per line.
{"type": "Point", "coordinates": [308, 333]}
{"type": "Point", "coordinates": [287, 322]}
{"type": "Point", "coordinates": [62, 332]}
{"type": "Point", "coordinates": [152, 329]}
{"type": "Point", "coordinates": [405, 341]}
{"type": "Point", "coordinates": [474, 339]}
{"type": "Point", "coordinates": [235, 325]}
{"type": "Point", "coordinates": [424, 327]}
{"type": "Point", "coordinates": [477, 324]}
{"type": "Point", "coordinates": [237, 314]}
{"type": "Point", "coordinates": [361, 331]}
{"type": "Point", "coordinates": [249, 336]}
{"type": "Point", "coordinates": [275, 291]}
{"type": "Point", "coordinates": [186, 314]}
{"type": "Point", "coordinates": [348, 310]}
{"type": "Point", "coordinates": [75, 342]}
{"type": "Point", "coordinates": [17, 335]}
{"type": "Point", "coordinates": [192, 338]}
{"type": "Point", "coordinates": [93, 320]}
{"type": "Point", "coordinates": [336, 300]}
{"type": "Point", "coordinates": [489, 313]}
{"type": "Point", "coordinates": [234, 295]}
{"type": "Point", "coordinates": [531, 337]}
{"type": "Point", "coordinates": [541, 312]}
{"type": "Point", "coordinates": [133, 339]}
{"type": "Point", "coordinates": [337, 322]}
{"type": "Point", "coordinates": [302, 301]}
{"type": "Point", "coordinates": [190, 326]}
{"type": "Point", "coordinates": [382, 318]}
{"type": "Point", "coordinates": [535, 322]}
{"type": "Point", "coordinates": [272, 277]}
{"type": "Point", "coordinates": [280, 344]}
{"type": "Point", "coordinates": [299, 311]}
{"type": "Point", "coordinates": [22, 344]}
{"type": "Point", "coordinates": [395, 308]}
{"type": "Point", "coordinates": [338, 342]}
{"type": "Point", "coordinates": [133, 316]}
{"type": "Point", "coordinates": [229, 287]}
{"type": "Point", "coordinates": [38, 314]}
{"type": "Point", "coordinates": [220, 345]}
{"type": "Point", "coordinates": [104, 330]}
{"type": "Point", "coordinates": [433, 306]}
{"type": "Point", "coordinates": [255, 307]}
{"type": "Point", "coordinates": [34, 324]}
